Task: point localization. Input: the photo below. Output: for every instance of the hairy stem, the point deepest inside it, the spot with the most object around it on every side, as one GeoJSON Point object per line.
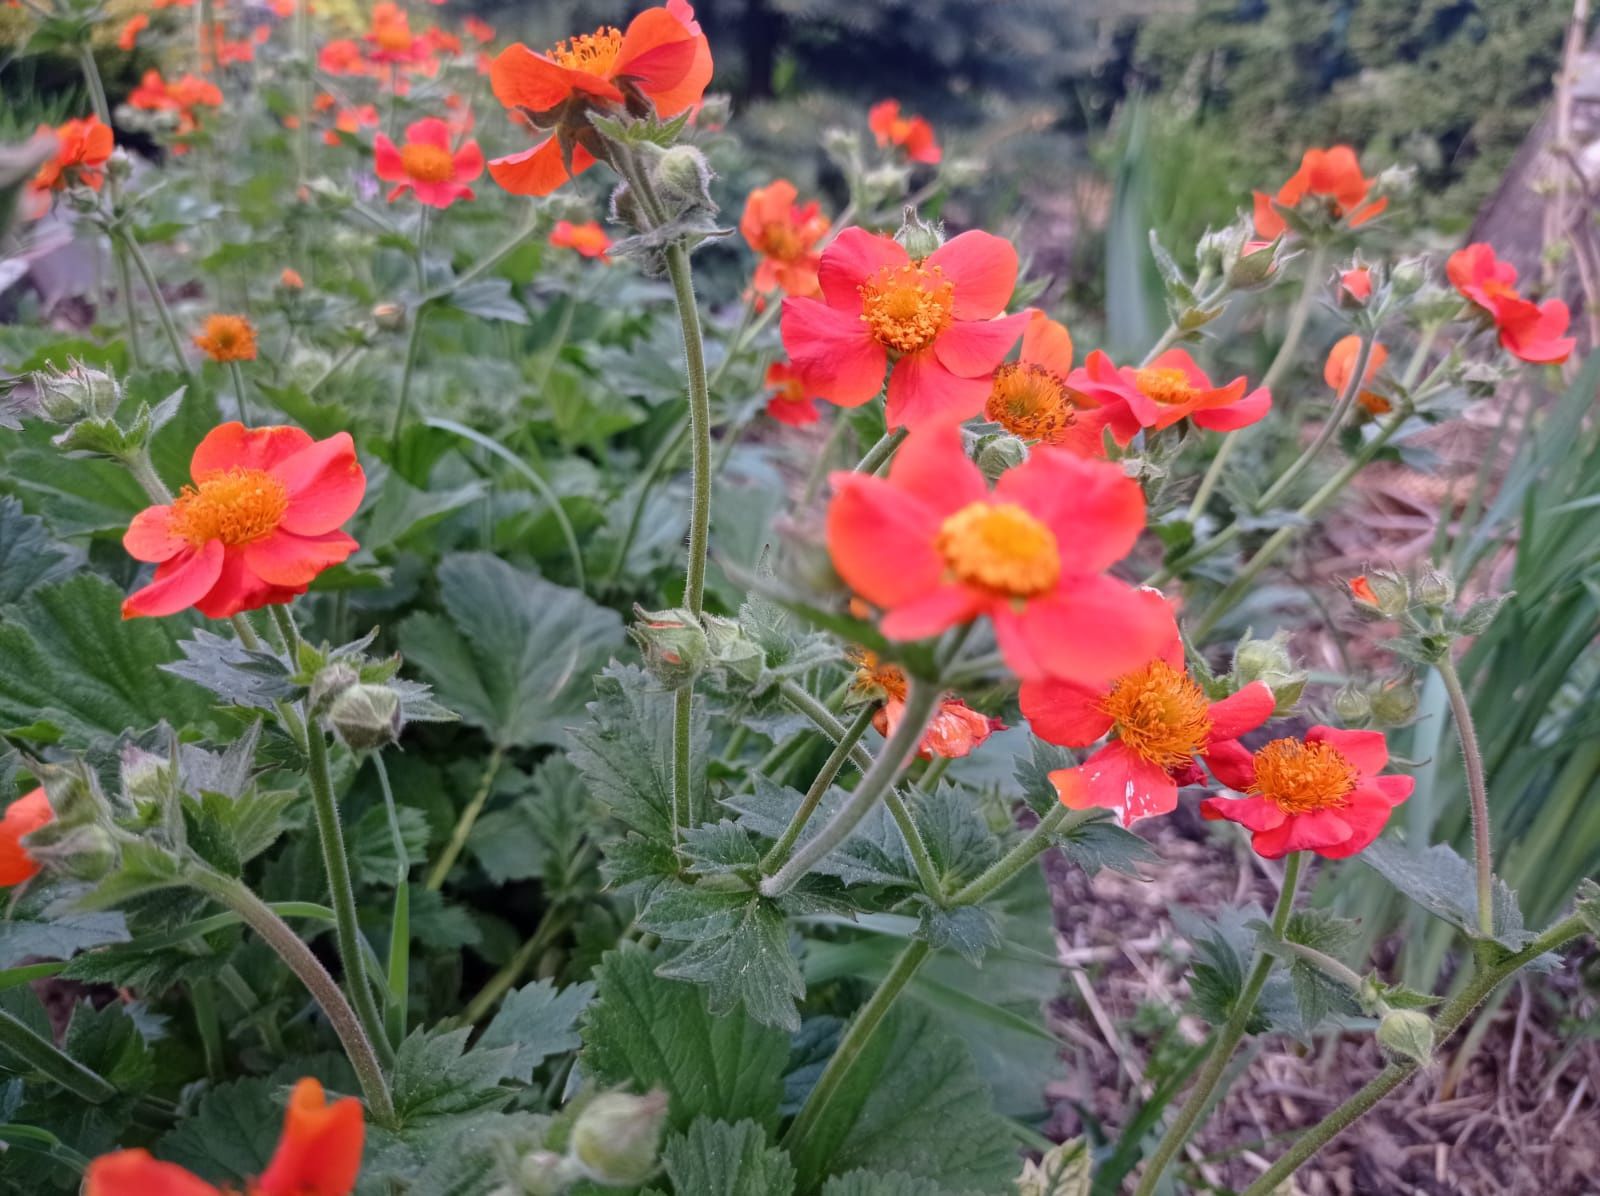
{"type": "Point", "coordinates": [48, 1060]}
{"type": "Point", "coordinates": [1477, 791]}
{"type": "Point", "coordinates": [1329, 429]}
{"type": "Point", "coordinates": [881, 452]}
{"type": "Point", "coordinates": [819, 786]}
{"type": "Point", "coordinates": [463, 828]}
{"type": "Point", "coordinates": [1037, 842]}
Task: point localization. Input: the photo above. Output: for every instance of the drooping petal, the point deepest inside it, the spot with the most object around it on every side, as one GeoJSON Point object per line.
{"type": "Point", "coordinates": [923, 393]}
{"type": "Point", "coordinates": [149, 536]}
{"type": "Point", "coordinates": [540, 170]}
{"type": "Point", "coordinates": [932, 611]}
{"type": "Point", "coordinates": [1314, 831]}
{"type": "Point", "coordinates": [1064, 712]}
{"type": "Point", "coordinates": [234, 446]}
{"type": "Point", "coordinates": [1252, 813]}
{"type": "Point", "coordinates": [1242, 712]}
{"type": "Point", "coordinates": [325, 483]}
{"type": "Point", "coordinates": [855, 256]}
{"type": "Point", "coordinates": [1095, 510]}
{"type": "Point", "coordinates": [983, 271]}
{"type": "Point", "coordinates": [138, 1173]}
{"type": "Point", "coordinates": [1116, 778]}
{"type": "Point", "coordinates": [973, 347]}
{"type": "Point", "coordinates": [180, 582]}
{"type": "Point", "coordinates": [1091, 630]}
{"type": "Point", "coordinates": [881, 540]}
{"type": "Point", "coordinates": [319, 1151]}
{"type": "Point", "coordinates": [932, 466]}
{"type": "Point", "coordinates": [285, 559]}
{"type": "Point", "coordinates": [386, 161]}
{"type": "Point", "coordinates": [833, 351]}
{"type": "Point", "coordinates": [1248, 410]}
{"type": "Point", "coordinates": [1231, 763]}
{"type": "Point", "coordinates": [238, 589]}
{"type": "Point", "coordinates": [1367, 750]}
{"type": "Point", "coordinates": [1047, 343]}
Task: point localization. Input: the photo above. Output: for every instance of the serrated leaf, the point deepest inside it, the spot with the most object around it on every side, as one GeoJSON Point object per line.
{"type": "Point", "coordinates": [108, 1041]}
{"type": "Point", "coordinates": [489, 299]}
{"type": "Point", "coordinates": [514, 653]}
{"type": "Point", "coordinates": [649, 1032]}
{"type": "Point", "coordinates": [435, 1075]}
{"type": "Point", "coordinates": [1587, 905]}
{"type": "Point", "coordinates": [371, 843]}
{"type": "Point", "coordinates": [719, 848]}
{"type": "Point", "coordinates": [716, 1158]}
{"type": "Point", "coordinates": [1316, 994]}
{"type": "Point", "coordinates": [1224, 949]}
{"type": "Point", "coordinates": [967, 929]}
{"type": "Point", "coordinates": [538, 834]}
{"type": "Point", "coordinates": [874, 854]}
{"type": "Point", "coordinates": [1033, 774]}
{"type": "Point", "coordinates": [231, 671]}
{"type": "Point", "coordinates": [1446, 885]}
{"type": "Point", "coordinates": [537, 1020]}
{"type": "Point", "coordinates": [59, 937]}
{"type": "Point", "coordinates": [883, 1183]}
{"type": "Point", "coordinates": [1100, 843]}
{"type": "Point", "coordinates": [29, 554]}
{"type": "Point", "coordinates": [958, 839]}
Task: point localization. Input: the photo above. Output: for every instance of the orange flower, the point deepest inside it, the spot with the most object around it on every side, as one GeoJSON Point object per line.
{"type": "Point", "coordinates": [587, 238]}
{"type": "Point", "coordinates": [663, 59]}
{"type": "Point", "coordinates": [478, 31]}
{"type": "Point", "coordinates": [227, 338]}
{"type": "Point", "coordinates": [183, 96]}
{"type": "Point", "coordinates": [389, 38]}
{"type": "Point", "coordinates": [319, 1154]}
{"type": "Point", "coordinates": [1321, 793]}
{"type": "Point", "coordinates": [1332, 175]}
{"type": "Point", "coordinates": [441, 42]}
{"type": "Point", "coordinates": [291, 279]}
{"type": "Point", "coordinates": [789, 402]}
{"type": "Point", "coordinates": [259, 523]}
{"type": "Point", "coordinates": [426, 166]}
{"type": "Point", "coordinates": [22, 817]}
{"type": "Point", "coordinates": [911, 134]}
{"type": "Point", "coordinates": [128, 35]}
{"type": "Point", "coordinates": [82, 147]}
{"type": "Point", "coordinates": [341, 57]}
{"type": "Point", "coordinates": [1361, 590]}
{"type": "Point", "coordinates": [955, 728]}
{"type": "Point", "coordinates": [933, 547]}
{"type": "Point", "coordinates": [1529, 331]}
{"type": "Point", "coordinates": [352, 121]}
{"type": "Point", "coordinates": [1341, 364]}
{"type": "Point", "coordinates": [1357, 283]}
{"type": "Point", "coordinates": [1169, 389]}
{"type": "Point", "coordinates": [935, 316]}
{"type": "Point", "coordinates": [785, 236]}
{"type": "Point", "coordinates": [1030, 397]}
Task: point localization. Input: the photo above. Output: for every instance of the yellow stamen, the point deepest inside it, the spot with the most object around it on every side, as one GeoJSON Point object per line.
{"type": "Point", "coordinates": [1164, 384]}
{"type": "Point", "coordinates": [1299, 777]}
{"type": "Point", "coordinates": [1031, 402]}
{"type": "Point", "coordinates": [781, 240]}
{"type": "Point", "coordinates": [593, 53]}
{"type": "Point", "coordinates": [877, 677]}
{"type": "Point", "coordinates": [907, 306]}
{"type": "Point", "coordinates": [236, 507]}
{"type": "Point", "coordinates": [1160, 714]}
{"type": "Point", "coordinates": [427, 163]}
{"type": "Point", "coordinates": [1001, 547]}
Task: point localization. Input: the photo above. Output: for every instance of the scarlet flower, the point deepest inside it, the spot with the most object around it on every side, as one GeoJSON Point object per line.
{"type": "Point", "coordinates": [933, 547]}
{"type": "Point", "coordinates": [227, 338]}
{"type": "Point", "coordinates": [352, 121]}
{"type": "Point", "coordinates": [479, 31]}
{"type": "Point", "coordinates": [128, 35]}
{"type": "Point", "coordinates": [1160, 721]}
{"type": "Point", "coordinates": [935, 316]}
{"type": "Point", "coordinates": [911, 134]}
{"type": "Point", "coordinates": [1341, 364]}
{"type": "Point", "coordinates": [389, 38]}
{"type": "Point", "coordinates": [663, 59]}
{"type": "Point", "coordinates": [1530, 331]}
{"type": "Point", "coordinates": [282, 9]}
{"type": "Point", "coordinates": [341, 57]}
{"type": "Point", "coordinates": [789, 403]}
{"type": "Point", "coordinates": [259, 523]}
{"type": "Point", "coordinates": [82, 147]}
{"type": "Point", "coordinates": [1321, 793]}
{"type": "Point", "coordinates": [22, 817]}
{"type": "Point", "coordinates": [953, 731]}
{"type": "Point", "coordinates": [786, 237]}
{"type": "Point", "coordinates": [1030, 398]}
{"type": "Point", "coordinates": [1335, 176]}
{"type": "Point", "coordinates": [1169, 389]}
{"type": "Point", "coordinates": [426, 166]}
{"type": "Point", "coordinates": [587, 238]}
{"type": "Point", "coordinates": [442, 42]}
{"type": "Point", "coordinates": [318, 1154]}
{"type": "Point", "coordinates": [183, 96]}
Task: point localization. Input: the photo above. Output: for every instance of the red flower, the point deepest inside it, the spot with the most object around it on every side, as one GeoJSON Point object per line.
{"type": "Point", "coordinates": [183, 96]}
{"type": "Point", "coordinates": [1321, 793]}
{"type": "Point", "coordinates": [319, 1154]}
{"type": "Point", "coordinates": [1160, 721]}
{"type": "Point", "coordinates": [426, 166]}
{"type": "Point", "coordinates": [789, 404]}
{"type": "Point", "coordinates": [1341, 364]}
{"type": "Point", "coordinates": [955, 728]}
{"type": "Point", "coordinates": [936, 316]}
{"type": "Point", "coordinates": [341, 57]}
{"type": "Point", "coordinates": [352, 121]}
{"type": "Point", "coordinates": [389, 38]}
{"type": "Point", "coordinates": [588, 238]}
{"type": "Point", "coordinates": [1361, 590]}
{"type": "Point", "coordinates": [259, 523]}
{"type": "Point", "coordinates": [82, 147]}
{"type": "Point", "coordinates": [785, 236]}
{"type": "Point", "coordinates": [911, 134]}
{"type": "Point", "coordinates": [1030, 398]}
{"type": "Point", "coordinates": [1357, 283]}
{"type": "Point", "coordinates": [128, 35]}
{"type": "Point", "coordinates": [933, 548]}
{"type": "Point", "coordinates": [479, 31]}
{"type": "Point", "coordinates": [1332, 174]}
{"type": "Point", "coordinates": [663, 59]}
{"type": "Point", "coordinates": [22, 817]}
{"type": "Point", "coordinates": [1167, 390]}
{"type": "Point", "coordinates": [1531, 331]}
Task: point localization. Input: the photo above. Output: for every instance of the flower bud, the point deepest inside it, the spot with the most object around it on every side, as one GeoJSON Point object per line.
{"type": "Point", "coordinates": [390, 317]}
{"type": "Point", "coordinates": [715, 110]}
{"type": "Point", "coordinates": [290, 280]}
{"type": "Point", "coordinates": [918, 237]}
{"type": "Point", "coordinates": [1269, 662]}
{"type": "Point", "coordinates": [683, 177]}
{"type": "Point", "coordinates": [963, 172]}
{"type": "Point", "coordinates": [1409, 275]}
{"type": "Point", "coordinates": [1408, 1034]}
{"type": "Point", "coordinates": [146, 777]}
{"type": "Point", "coordinates": [1217, 250]}
{"type": "Point", "coordinates": [1435, 590]}
{"type": "Point", "coordinates": [119, 165]}
{"type": "Point", "coordinates": [1395, 182]}
{"type": "Point", "coordinates": [673, 643]}
{"type": "Point", "coordinates": [329, 683]}
{"type": "Point", "coordinates": [840, 143]}
{"type": "Point", "coordinates": [996, 454]}
{"type": "Point", "coordinates": [1355, 286]}
{"type": "Point", "coordinates": [624, 208]}
{"type": "Point", "coordinates": [1394, 703]}
{"type": "Point", "coordinates": [1352, 705]}
{"type": "Point", "coordinates": [78, 392]}
{"type": "Point", "coordinates": [618, 1135]}
{"type": "Point", "coordinates": [82, 199]}
{"type": "Point", "coordinates": [84, 852]}
{"type": "Point", "coordinates": [1256, 266]}
{"type": "Point", "coordinates": [732, 649]}
{"type": "Point", "coordinates": [1381, 594]}
{"type": "Point", "coordinates": [367, 717]}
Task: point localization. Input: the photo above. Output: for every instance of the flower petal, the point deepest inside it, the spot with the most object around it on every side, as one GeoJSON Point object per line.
{"type": "Point", "coordinates": [833, 351]}
{"type": "Point", "coordinates": [180, 582]}
{"type": "Point", "coordinates": [923, 393]}
{"type": "Point", "coordinates": [149, 536]}
{"type": "Point", "coordinates": [1252, 813]}
{"type": "Point", "coordinates": [1116, 778]}
{"type": "Point", "coordinates": [1092, 630]}
{"type": "Point", "coordinates": [125, 1171]}
{"type": "Point", "coordinates": [284, 559]}
{"type": "Point", "coordinates": [932, 611]}
{"type": "Point", "coordinates": [1064, 712]}
{"type": "Point", "coordinates": [1242, 712]}
{"type": "Point", "coordinates": [234, 446]}
{"type": "Point", "coordinates": [983, 270]}
{"type": "Point", "coordinates": [522, 79]}
{"type": "Point", "coordinates": [540, 170]}
{"type": "Point", "coordinates": [1047, 343]}
{"type": "Point", "coordinates": [855, 256]}
{"type": "Point", "coordinates": [1254, 406]}
{"type": "Point", "coordinates": [319, 1150]}
{"type": "Point", "coordinates": [1095, 510]}
{"type": "Point", "coordinates": [1315, 831]}
{"type": "Point", "coordinates": [932, 466]}
{"type": "Point", "coordinates": [467, 163]}
{"type": "Point", "coordinates": [1367, 750]}
{"type": "Point", "coordinates": [973, 347]}
{"type": "Point", "coordinates": [325, 484]}
{"type": "Point", "coordinates": [430, 130]}
{"type": "Point", "coordinates": [881, 540]}
{"type": "Point", "coordinates": [238, 589]}
{"type": "Point", "coordinates": [1231, 763]}
{"type": "Point", "coordinates": [386, 161]}
{"type": "Point", "coordinates": [1366, 814]}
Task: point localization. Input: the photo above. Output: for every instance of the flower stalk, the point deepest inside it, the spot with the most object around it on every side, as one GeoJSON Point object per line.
{"type": "Point", "coordinates": [1477, 791]}
{"type": "Point", "coordinates": [819, 786]}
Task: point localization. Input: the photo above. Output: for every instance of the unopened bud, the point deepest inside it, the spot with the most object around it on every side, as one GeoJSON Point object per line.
{"type": "Point", "coordinates": [673, 643]}
{"type": "Point", "coordinates": [683, 177]}
{"type": "Point", "coordinates": [1217, 250]}
{"type": "Point", "coordinates": [84, 852]}
{"type": "Point", "coordinates": [543, 1173]}
{"type": "Point", "coordinates": [1381, 593]}
{"type": "Point", "coordinates": [367, 717]}
{"type": "Point", "coordinates": [1409, 275]}
{"type": "Point", "coordinates": [83, 199]}
{"type": "Point", "coordinates": [146, 777]}
{"type": "Point", "coordinates": [1256, 266]}
{"type": "Point", "coordinates": [997, 454]}
{"type": "Point", "coordinates": [1408, 1034]}
{"type": "Point", "coordinates": [1395, 182]}
{"type": "Point", "coordinates": [290, 280]}
{"type": "Point", "coordinates": [1394, 703]}
{"type": "Point", "coordinates": [78, 392]}
{"type": "Point", "coordinates": [390, 317]}
{"type": "Point", "coordinates": [624, 208]}
{"type": "Point", "coordinates": [329, 683]}
{"type": "Point", "coordinates": [1435, 590]}
{"type": "Point", "coordinates": [119, 165]}
{"type": "Point", "coordinates": [1269, 662]}
{"type": "Point", "coordinates": [1355, 286]}
{"type": "Point", "coordinates": [714, 112]}
{"type": "Point", "coordinates": [917, 236]}
{"type": "Point", "coordinates": [840, 143]}
{"type": "Point", "coordinates": [1352, 705]}
{"type": "Point", "coordinates": [618, 1135]}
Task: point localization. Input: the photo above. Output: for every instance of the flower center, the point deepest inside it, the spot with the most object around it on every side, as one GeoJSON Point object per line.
{"type": "Point", "coordinates": [427, 163]}
{"type": "Point", "coordinates": [593, 53]}
{"type": "Point", "coordinates": [1160, 714]}
{"type": "Point", "coordinates": [1000, 547]}
{"type": "Point", "coordinates": [782, 240]}
{"type": "Point", "coordinates": [1299, 777]}
{"type": "Point", "coordinates": [1164, 384]}
{"type": "Point", "coordinates": [874, 676]}
{"type": "Point", "coordinates": [907, 306]}
{"type": "Point", "coordinates": [1031, 402]}
{"type": "Point", "coordinates": [394, 36]}
{"type": "Point", "coordinates": [239, 506]}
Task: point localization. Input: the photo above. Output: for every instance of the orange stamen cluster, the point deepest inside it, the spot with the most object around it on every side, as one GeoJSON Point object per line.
{"type": "Point", "coordinates": [780, 239]}
{"type": "Point", "coordinates": [908, 306]}
{"type": "Point", "coordinates": [240, 506]}
{"type": "Point", "coordinates": [1030, 401]}
{"type": "Point", "coordinates": [1300, 777]}
{"type": "Point", "coordinates": [1161, 715]}
{"type": "Point", "coordinates": [593, 53]}
{"type": "Point", "coordinates": [427, 163]}
{"type": "Point", "coordinates": [877, 677]}
{"type": "Point", "coordinates": [1164, 384]}
{"type": "Point", "coordinates": [1000, 547]}
{"type": "Point", "coordinates": [227, 338]}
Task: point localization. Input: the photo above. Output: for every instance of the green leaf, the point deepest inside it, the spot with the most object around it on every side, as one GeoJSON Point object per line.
{"type": "Point", "coordinates": [29, 555]}
{"type": "Point", "coordinates": [1224, 948]}
{"type": "Point", "coordinates": [624, 751]}
{"type": "Point", "coordinates": [371, 843]}
{"type": "Point", "coordinates": [1315, 992]}
{"type": "Point", "coordinates": [538, 1020]}
{"type": "Point", "coordinates": [957, 837]}
{"type": "Point", "coordinates": [109, 1041]}
{"type": "Point", "coordinates": [967, 929]}
{"type": "Point", "coordinates": [718, 1159]}
{"type": "Point", "coordinates": [874, 854]}
{"type": "Point", "coordinates": [912, 1102]}
{"type": "Point", "coordinates": [66, 655]}
{"type": "Point", "coordinates": [1446, 885]}
{"type": "Point", "coordinates": [649, 1032]}
{"type": "Point", "coordinates": [59, 937]}
{"type": "Point", "coordinates": [237, 675]}
{"type": "Point", "coordinates": [1587, 905]}
{"type": "Point", "coordinates": [1033, 774]}
{"type": "Point", "coordinates": [1065, 1170]}
{"type": "Point", "coordinates": [514, 653]}
{"type": "Point", "coordinates": [489, 299]}
{"type": "Point", "coordinates": [436, 1076]}
{"type": "Point", "coordinates": [538, 835]}
{"type": "Point", "coordinates": [882, 1183]}
{"type": "Point", "coordinates": [1100, 843]}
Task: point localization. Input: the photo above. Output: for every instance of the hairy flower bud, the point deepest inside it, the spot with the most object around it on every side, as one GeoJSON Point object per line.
{"type": "Point", "coordinates": [389, 317]}
{"type": "Point", "coordinates": [683, 178]}
{"type": "Point", "coordinates": [1381, 594]}
{"type": "Point", "coordinates": [1394, 703]}
{"type": "Point", "coordinates": [1269, 662]}
{"type": "Point", "coordinates": [367, 717]}
{"type": "Point", "coordinates": [673, 644]}
{"type": "Point", "coordinates": [329, 683]}
{"type": "Point", "coordinates": [1256, 265]}
{"type": "Point", "coordinates": [618, 1135]}
{"type": "Point", "coordinates": [1409, 275]}
{"type": "Point", "coordinates": [917, 236]}
{"type": "Point", "coordinates": [1352, 705]}
{"type": "Point", "coordinates": [996, 454]}
{"type": "Point", "coordinates": [1435, 590]}
{"type": "Point", "coordinates": [119, 165]}
{"type": "Point", "coordinates": [1408, 1034]}
{"type": "Point", "coordinates": [77, 392]}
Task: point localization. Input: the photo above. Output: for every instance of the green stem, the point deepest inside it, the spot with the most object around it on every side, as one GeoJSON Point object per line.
{"type": "Point", "coordinates": [256, 914]}
{"type": "Point", "coordinates": [1329, 429]}
{"type": "Point", "coordinates": [1037, 842]}
{"type": "Point", "coordinates": [1477, 790]}
{"type": "Point", "coordinates": [530, 222]}
{"type": "Point", "coordinates": [683, 797]}
{"type": "Point", "coordinates": [933, 774]}
{"type": "Point", "coordinates": [881, 452]}
{"type": "Point", "coordinates": [203, 1000]}
{"type": "Point", "coordinates": [1457, 1011]}
{"type": "Point", "coordinates": [668, 448]}
{"type": "Point", "coordinates": [238, 391]}
{"type": "Point", "coordinates": [337, 865]}
{"type": "Point", "coordinates": [819, 786]}
{"type": "Point", "coordinates": [163, 313]}
{"type": "Point", "coordinates": [555, 920]}
{"type": "Point", "coordinates": [125, 281]}
{"type": "Point", "coordinates": [1205, 1084]}
{"type": "Point", "coordinates": [1213, 475]}
{"type": "Point", "coordinates": [862, 1026]}
{"type": "Point", "coordinates": [49, 1060]}
{"type": "Point", "coordinates": [337, 364]}
{"type": "Point", "coordinates": [399, 969]}
{"type": "Point", "coordinates": [413, 350]}
{"type": "Point", "coordinates": [1309, 287]}
{"type": "Point", "coordinates": [1324, 963]}
{"type": "Point", "coordinates": [144, 472]}
{"type": "Point", "coordinates": [463, 828]}
{"type": "Point", "coordinates": [921, 859]}
{"type": "Point", "coordinates": [901, 746]}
